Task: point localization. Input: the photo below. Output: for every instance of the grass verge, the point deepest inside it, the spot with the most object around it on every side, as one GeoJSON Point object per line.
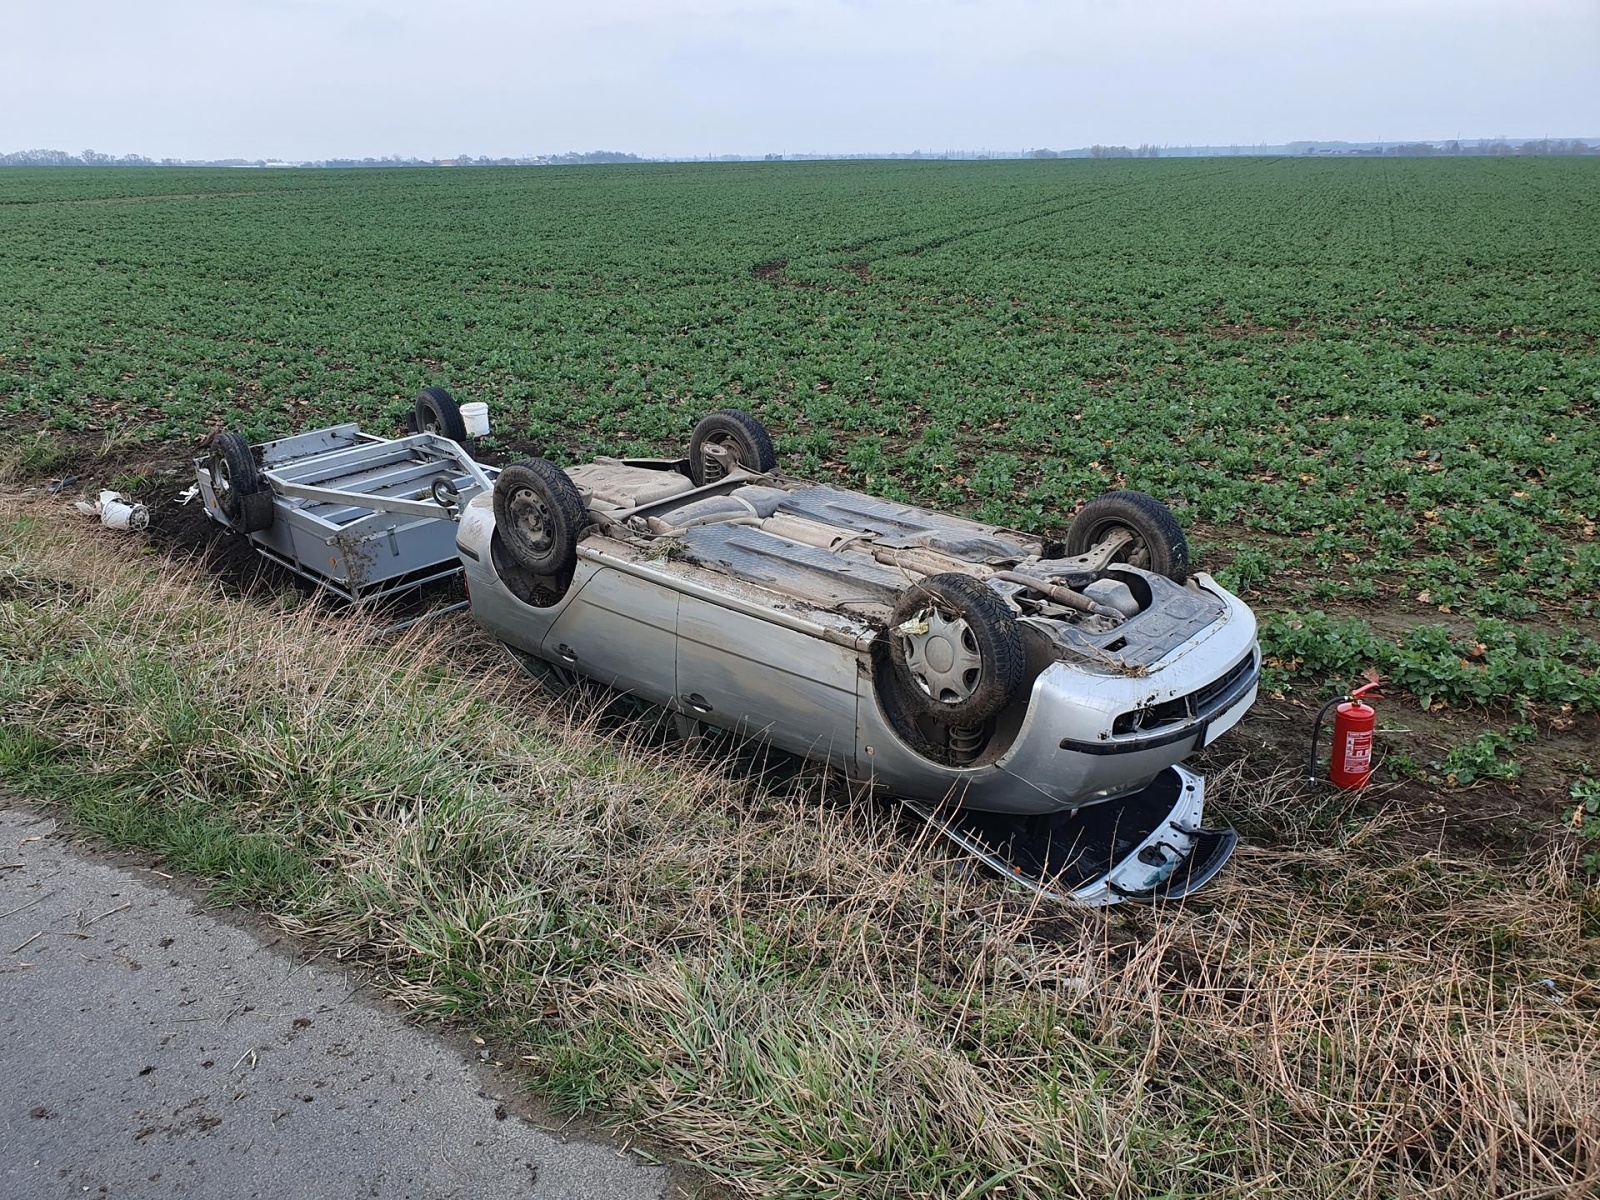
{"type": "Point", "coordinates": [802, 994]}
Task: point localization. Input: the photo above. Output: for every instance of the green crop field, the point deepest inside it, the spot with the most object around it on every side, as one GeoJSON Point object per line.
{"type": "Point", "coordinates": [1368, 388]}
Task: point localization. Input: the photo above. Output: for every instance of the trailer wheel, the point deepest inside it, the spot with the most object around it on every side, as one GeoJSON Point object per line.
{"type": "Point", "coordinates": [956, 651]}
{"type": "Point", "coordinates": [241, 493]}
{"type": "Point", "coordinates": [735, 431]}
{"type": "Point", "coordinates": [539, 515]}
{"type": "Point", "coordinates": [438, 412]}
{"type": "Point", "coordinates": [1158, 543]}
{"type": "Point", "coordinates": [255, 512]}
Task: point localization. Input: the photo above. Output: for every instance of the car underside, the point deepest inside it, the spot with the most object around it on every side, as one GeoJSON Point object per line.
{"type": "Point", "coordinates": [964, 667]}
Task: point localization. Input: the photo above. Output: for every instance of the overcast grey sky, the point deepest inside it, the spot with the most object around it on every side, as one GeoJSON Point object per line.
{"type": "Point", "coordinates": [434, 78]}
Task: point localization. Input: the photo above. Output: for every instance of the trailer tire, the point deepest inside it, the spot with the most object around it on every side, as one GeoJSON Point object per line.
{"type": "Point", "coordinates": [241, 493]}
{"type": "Point", "coordinates": [1159, 544]}
{"type": "Point", "coordinates": [539, 515]}
{"type": "Point", "coordinates": [967, 661]}
{"type": "Point", "coordinates": [739, 433]}
{"type": "Point", "coordinates": [255, 512]}
{"type": "Point", "coordinates": [438, 412]}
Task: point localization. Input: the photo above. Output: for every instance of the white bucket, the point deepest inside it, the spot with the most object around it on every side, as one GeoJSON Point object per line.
{"type": "Point", "coordinates": [476, 418]}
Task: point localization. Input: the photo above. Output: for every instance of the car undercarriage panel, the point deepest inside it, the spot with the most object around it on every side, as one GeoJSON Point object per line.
{"type": "Point", "coordinates": [827, 578]}
{"type": "Point", "coordinates": [1171, 616]}
{"type": "Point", "coordinates": [902, 525]}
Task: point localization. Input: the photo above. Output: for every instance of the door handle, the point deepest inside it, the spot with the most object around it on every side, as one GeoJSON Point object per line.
{"type": "Point", "coordinates": [697, 702]}
{"type": "Point", "coordinates": [566, 653]}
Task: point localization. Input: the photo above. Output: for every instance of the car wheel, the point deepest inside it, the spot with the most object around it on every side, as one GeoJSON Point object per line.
{"type": "Point", "coordinates": [956, 650]}
{"type": "Point", "coordinates": [539, 515]}
{"type": "Point", "coordinates": [438, 412]}
{"type": "Point", "coordinates": [241, 493]}
{"type": "Point", "coordinates": [1158, 543]}
{"type": "Point", "coordinates": [725, 439]}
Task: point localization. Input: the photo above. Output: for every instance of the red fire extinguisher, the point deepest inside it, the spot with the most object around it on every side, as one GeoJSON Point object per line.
{"type": "Point", "coordinates": [1350, 765]}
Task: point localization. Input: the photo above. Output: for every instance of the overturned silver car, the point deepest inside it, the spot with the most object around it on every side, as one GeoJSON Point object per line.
{"type": "Point", "coordinates": [1031, 698]}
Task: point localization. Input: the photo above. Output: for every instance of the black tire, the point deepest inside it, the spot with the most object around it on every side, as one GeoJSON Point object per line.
{"type": "Point", "coordinates": [445, 493]}
{"type": "Point", "coordinates": [255, 512]}
{"type": "Point", "coordinates": [972, 624]}
{"type": "Point", "coordinates": [539, 515]}
{"type": "Point", "coordinates": [438, 412]}
{"type": "Point", "coordinates": [1158, 545]}
{"type": "Point", "coordinates": [241, 493]}
{"type": "Point", "coordinates": [737, 431]}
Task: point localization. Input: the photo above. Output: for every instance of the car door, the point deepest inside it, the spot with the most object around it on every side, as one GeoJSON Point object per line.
{"type": "Point", "coordinates": [621, 630]}
{"type": "Point", "coordinates": [743, 673]}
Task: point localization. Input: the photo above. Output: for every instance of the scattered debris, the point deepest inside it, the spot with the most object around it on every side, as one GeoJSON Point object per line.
{"type": "Point", "coordinates": [116, 511]}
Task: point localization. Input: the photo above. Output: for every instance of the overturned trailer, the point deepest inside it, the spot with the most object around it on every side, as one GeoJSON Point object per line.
{"type": "Point", "coordinates": [361, 516]}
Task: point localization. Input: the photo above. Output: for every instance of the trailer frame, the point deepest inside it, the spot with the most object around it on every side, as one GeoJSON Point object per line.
{"type": "Point", "coordinates": [361, 516]}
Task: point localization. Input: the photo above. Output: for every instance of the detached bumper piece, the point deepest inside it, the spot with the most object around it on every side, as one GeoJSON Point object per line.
{"type": "Point", "coordinates": [1212, 850]}
{"type": "Point", "coordinates": [1142, 848]}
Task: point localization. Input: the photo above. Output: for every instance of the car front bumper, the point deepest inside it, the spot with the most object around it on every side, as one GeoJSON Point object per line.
{"type": "Point", "coordinates": [1150, 847]}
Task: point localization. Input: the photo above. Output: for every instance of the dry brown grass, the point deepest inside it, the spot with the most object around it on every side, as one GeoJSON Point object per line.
{"type": "Point", "coordinates": [790, 984]}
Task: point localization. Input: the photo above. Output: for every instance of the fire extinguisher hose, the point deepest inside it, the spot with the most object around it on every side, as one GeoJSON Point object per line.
{"type": "Point", "coordinates": [1316, 730]}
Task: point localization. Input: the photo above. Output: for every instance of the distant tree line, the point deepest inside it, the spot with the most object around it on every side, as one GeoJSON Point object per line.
{"type": "Point", "coordinates": [572, 158]}
{"type": "Point", "coordinates": [93, 158]}
{"type": "Point", "coordinates": [1144, 151]}
{"type": "Point", "coordinates": [1486, 146]}
{"type": "Point", "coordinates": [1490, 146]}
{"type": "Point", "coordinates": [89, 158]}
{"type": "Point", "coordinates": [1482, 146]}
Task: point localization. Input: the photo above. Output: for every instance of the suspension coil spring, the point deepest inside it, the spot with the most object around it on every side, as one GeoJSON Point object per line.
{"type": "Point", "coordinates": [966, 742]}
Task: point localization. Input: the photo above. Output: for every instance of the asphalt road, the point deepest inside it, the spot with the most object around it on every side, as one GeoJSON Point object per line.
{"type": "Point", "coordinates": [148, 1049]}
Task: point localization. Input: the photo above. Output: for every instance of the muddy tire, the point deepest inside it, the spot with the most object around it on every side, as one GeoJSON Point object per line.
{"type": "Point", "coordinates": [956, 652]}
{"type": "Point", "coordinates": [741, 435]}
{"type": "Point", "coordinates": [438, 412]}
{"type": "Point", "coordinates": [1158, 545]}
{"type": "Point", "coordinates": [539, 515]}
{"type": "Point", "coordinates": [255, 512]}
{"type": "Point", "coordinates": [241, 493]}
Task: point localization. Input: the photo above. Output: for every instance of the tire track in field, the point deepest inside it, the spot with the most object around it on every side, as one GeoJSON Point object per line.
{"type": "Point", "coordinates": [1055, 210]}
{"type": "Point", "coordinates": [944, 239]}
{"type": "Point", "coordinates": [1388, 205]}
{"type": "Point", "coordinates": [74, 201]}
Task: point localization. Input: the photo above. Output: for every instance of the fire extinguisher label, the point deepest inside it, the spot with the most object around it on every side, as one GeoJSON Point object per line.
{"type": "Point", "coordinates": [1358, 752]}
